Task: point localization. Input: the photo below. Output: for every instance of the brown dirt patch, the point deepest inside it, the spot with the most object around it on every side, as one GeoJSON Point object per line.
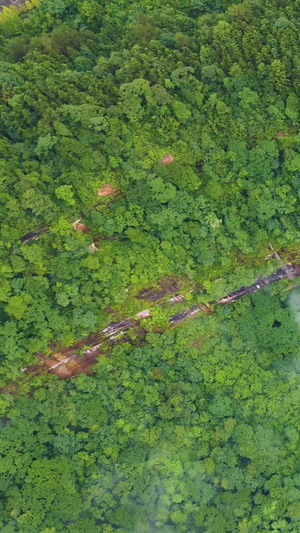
{"type": "Point", "coordinates": [106, 190]}
{"type": "Point", "coordinates": [167, 159]}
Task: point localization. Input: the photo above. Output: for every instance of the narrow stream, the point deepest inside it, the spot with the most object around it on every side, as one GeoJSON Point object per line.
{"type": "Point", "coordinates": [67, 362]}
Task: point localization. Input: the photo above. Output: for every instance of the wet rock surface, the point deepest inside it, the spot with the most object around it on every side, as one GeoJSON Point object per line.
{"type": "Point", "coordinates": [67, 362]}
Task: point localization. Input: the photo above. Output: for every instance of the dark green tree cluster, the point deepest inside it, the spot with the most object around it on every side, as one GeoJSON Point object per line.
{"type": "Point", "coordinates": [196, 431]}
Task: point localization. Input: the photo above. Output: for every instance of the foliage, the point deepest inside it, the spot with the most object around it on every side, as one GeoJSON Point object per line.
{"type": "Point", "coordinates": [195, 431]}
{"type": "Point", "coordinates": [97, 93]}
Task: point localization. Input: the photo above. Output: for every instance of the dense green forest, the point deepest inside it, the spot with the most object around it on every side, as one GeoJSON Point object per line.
{"type": "Point", "coordinates": [96, 93]}
{"type": "Point", "coordinates": [195, 431]}
{"type": "Point", "coordinates": [192, 429]}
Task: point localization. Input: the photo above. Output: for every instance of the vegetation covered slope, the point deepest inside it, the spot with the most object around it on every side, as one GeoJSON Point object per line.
{"type": "Point", "coordinates": [196, 430]}
{"type": "Point", "coordinates": [97, 92]}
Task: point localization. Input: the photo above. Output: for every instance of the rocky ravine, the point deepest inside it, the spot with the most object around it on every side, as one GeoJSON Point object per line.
{"type": "Point", "coordinates": [68, 363]}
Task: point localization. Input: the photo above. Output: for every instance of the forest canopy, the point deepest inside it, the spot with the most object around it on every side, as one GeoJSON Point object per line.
{"type": "Point", "coordinates": [96, 93]}
{"type": "Point", "coordinates": [195, 431]}
{"type": "Point", "coordinates": [142, 141]}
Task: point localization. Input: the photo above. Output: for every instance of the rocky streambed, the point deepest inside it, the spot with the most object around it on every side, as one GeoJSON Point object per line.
{"type": "Point", "coordinates": [73, 360]}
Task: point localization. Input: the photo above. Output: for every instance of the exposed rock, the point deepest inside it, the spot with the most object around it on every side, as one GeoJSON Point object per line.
{"type": "Point", "coordinates": [177, 298]}
{"type": "Point", "coordinates": [78, 226]}
{"type": "Point", "coordinates": [93, 248]}
{"type": "Point", "coordinates": [143, 314]}
{"type": "Point", "coordinates": [75, 224]}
